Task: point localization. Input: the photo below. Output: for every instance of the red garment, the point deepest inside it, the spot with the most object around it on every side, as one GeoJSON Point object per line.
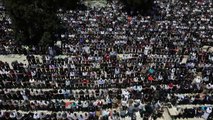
{"type": "Point", "coordinates": [85, 81]}
{"type": "Point", "coordinates": [107, 57]}
{"type": "Point", "coordinates": [150, 78]}
{"type": "Point", "coordinates": [100, 103]}
{"type": "Point", "coordinates": [171, 85]}
{"type": "Point", "coordinates": [67, 104]}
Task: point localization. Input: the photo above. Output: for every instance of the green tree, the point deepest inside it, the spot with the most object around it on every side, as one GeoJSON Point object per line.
{"type": "Point", "coordinates": [138, 4]}
{"type": "Point", "coordinates": [46, 39]}
{"type": "Point", "coordinates": [35, 22]}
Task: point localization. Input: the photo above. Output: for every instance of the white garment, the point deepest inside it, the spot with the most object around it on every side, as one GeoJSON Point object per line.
{"type": "Point", "coordinates": [205, 115]}
{"type": "Point", "coordinates": [146, 50]}
{"type": "Point", "coordinates": [36, 116]}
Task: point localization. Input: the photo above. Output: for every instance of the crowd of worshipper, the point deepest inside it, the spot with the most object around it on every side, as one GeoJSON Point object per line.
{"type": "Point", "coordinates": [194, 112]}
{"type": "Point", "coordinates": [115, 65]}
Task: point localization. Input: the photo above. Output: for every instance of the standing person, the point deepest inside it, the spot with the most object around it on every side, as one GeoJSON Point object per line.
{"type": "Point", "coordinates": [207, 112]}
{"type": "Point", "coordinates": [134, 117]}
{"type": "Point", "coordinates": [131, 111]}
{"type": "Point", "coordinates": [123, 112]}
{"type": "Point", "coordinates": [50, 51]}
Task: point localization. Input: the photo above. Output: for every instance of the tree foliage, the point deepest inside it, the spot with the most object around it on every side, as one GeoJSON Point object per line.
{"type": "Point", "coordinates": [35, 22]}
{"type": "Point", "coordinates": [138, 5]}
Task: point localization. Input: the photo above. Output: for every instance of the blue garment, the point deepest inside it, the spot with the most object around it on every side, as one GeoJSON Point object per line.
{"type": "Point", "coordinates": [203, 108]}
{"type": "Point", "coordinates": [151, 70]}
{"type": "Point", "coordinates": [81, 40]}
